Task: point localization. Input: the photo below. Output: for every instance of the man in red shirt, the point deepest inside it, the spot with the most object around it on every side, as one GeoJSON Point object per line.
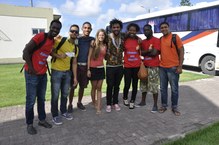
{"type": "Point", "coordinates": [150, 49]}
{"type": "Point", "coordinates": [35, 56]}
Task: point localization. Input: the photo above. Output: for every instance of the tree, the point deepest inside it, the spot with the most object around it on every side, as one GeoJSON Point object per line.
{"type": "Point", "coordinates": [185, 3]}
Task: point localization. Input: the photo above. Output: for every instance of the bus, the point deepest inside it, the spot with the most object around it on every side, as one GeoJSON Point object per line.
{"type": "Point", "coordinates": [197, 26]}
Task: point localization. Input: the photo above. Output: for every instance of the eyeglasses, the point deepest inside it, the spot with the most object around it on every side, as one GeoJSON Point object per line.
{"type": "Point", "coordinates": [74, 31]}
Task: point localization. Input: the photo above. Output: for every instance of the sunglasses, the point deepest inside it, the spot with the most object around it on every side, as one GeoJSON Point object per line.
{"type": "Point", "coordinates": [74, 31]}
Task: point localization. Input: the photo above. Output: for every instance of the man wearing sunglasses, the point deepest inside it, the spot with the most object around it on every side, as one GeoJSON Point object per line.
{"type": "Point", "coordinates": [63, 56]}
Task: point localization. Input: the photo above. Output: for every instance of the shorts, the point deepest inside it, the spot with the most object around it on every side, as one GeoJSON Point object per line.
{"type": "Point", "coordinates": [97, 73]}
{"type": "Point", "coordinates": [151, 84]}
{"type": "Point", "coordinates": [82, 76]}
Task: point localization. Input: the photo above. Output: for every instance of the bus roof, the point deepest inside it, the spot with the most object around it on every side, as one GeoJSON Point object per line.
{"type": "Point", "coordinates": [174, 10]}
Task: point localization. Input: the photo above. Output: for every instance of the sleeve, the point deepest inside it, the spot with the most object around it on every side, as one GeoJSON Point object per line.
{"type": "Point", "coordinates": [179, 42]}
{"type": "Point", "coordinates": [38, 38]}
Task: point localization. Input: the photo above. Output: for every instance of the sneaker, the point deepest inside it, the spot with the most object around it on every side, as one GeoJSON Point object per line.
{"type": "Point", "coordinates": [81, 106]}
{"type": "Point", "coordinates": [154, 109]}
{"type": "Point", "coordinates": [117, 108]}
{"type": "Point", "coordinates": [70, 109]}
{"type": "Point", "coordinates": [108, 108]}
{"type": "Point", "coordinates": [142, 104]}
{"type": "Point", "coordinates": [131, 105]}
{"type": "Point", "coordinates": [57, 120]}
{"type": "Point", "coordinates": [45, 124]}
{"type": "Point", "coordinates": [126, 102]}
{"type": "Point", "coordinates": [67, 116]}
{"type": "Point", "coordinates": [31, 130]}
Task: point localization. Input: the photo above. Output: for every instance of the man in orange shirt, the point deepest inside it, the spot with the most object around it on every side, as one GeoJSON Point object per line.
{"type": "Point", "coordinates": [170, 68]}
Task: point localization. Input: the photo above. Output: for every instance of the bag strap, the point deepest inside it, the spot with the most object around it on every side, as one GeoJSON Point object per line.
{"type": "Point", "coordinates": [59, 46]}
{"type": "Point", "coordinates": [37, 47]}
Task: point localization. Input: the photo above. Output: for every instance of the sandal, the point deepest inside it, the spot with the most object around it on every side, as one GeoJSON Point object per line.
{"type": "Point", "coordinates": [176, 112]}
{"type": "Point", "coordinates": [162, 109]}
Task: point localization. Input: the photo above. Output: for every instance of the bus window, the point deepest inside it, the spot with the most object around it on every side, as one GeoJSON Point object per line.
{"type": "Point", "coordinates": [218, 39]}
{"type": "Point", "coordinates": [178, 22]}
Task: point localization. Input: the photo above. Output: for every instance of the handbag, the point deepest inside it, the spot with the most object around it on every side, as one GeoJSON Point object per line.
{"type": "Point", "coordinates": [143, 72]}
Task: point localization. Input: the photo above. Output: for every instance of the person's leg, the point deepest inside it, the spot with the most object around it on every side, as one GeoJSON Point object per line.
{"type": "Point", "coordinates": [71, 95]}
{"type": "Point", "coordinates": [56, 79]}
{"type": "Point", "coordinates": [174, 83]}
{"type": "Point", "coordinates": [134, 83]}
{"type": "Point", "coordinates": [82, 85]}
{"type": "Point", "coordinates": [127, 83]}
{"type": "Point", "coordinates": [163, 86]}
{"type": "Point", "coordinates": [65, 84]}
{"type": "Point", "coordinates": [118, 77]}
{"type": "Point", "coordinates": [31, 90]}
{"type": "Point", "coordinates": [110, 74]}
{"type": "Point", "coordinates": [99, 95]}
{"type": "Point", "coordinates": [143, 88]}
{"type": "Point", "coordinates": [93, 92]}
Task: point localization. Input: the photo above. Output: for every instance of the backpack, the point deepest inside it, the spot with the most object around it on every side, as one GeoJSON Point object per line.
{"type": "Point", "coordinates": [38, 47]}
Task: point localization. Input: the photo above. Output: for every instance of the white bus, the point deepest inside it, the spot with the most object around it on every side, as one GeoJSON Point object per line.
{"type": "Point", "coordinates": [198, 27]}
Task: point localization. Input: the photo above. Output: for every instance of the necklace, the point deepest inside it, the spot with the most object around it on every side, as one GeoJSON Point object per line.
{"type": "Point", "coordinates": [114, 42]}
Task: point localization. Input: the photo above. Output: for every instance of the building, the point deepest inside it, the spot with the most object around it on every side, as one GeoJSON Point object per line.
{"type": "Point", "coordinates": [18, 25]}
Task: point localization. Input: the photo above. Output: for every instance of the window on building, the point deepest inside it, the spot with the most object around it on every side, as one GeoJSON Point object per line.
{"type": "Point", "coordinates": [37, 30]}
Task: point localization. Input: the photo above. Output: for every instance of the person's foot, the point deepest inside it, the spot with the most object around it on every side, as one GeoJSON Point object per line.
{"type": "Point", "coordinates": [98, 112]}
{"type": "Point", "coordinates": [45, 124]}
{"type": "Point", "coordinates": [154, 109]}
{"type": "Point", "coordinates": [162, 109]}
{"type": "Point", "coordinates": [70, 108]}
{"type": "Point", "coordinates": [67, 116]}
{"type": "Point", "coordinates": [81, 106]}
{"type": "Point", "coordinates": [126, 102]}
{"type": "Point", "coordinates": [117, 108]}
{"type": "Point", "coordinates": [108, 108]}
{"type": "Point", "coordinates": [31, 130]}
{"type": "Point", "coordinates": [57, 120]}
{"type": "Point", "coordinates": [131, 105]}
{"type": "Point", "coordinates": [142, 104]}
{"type": "Point", "coordinates": [176, 111]}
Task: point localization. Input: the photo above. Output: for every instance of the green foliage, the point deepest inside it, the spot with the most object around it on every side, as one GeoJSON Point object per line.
{"type": "Point", "coordinates": [206, 136]}
{"type": "Point", "coordinates": [12, 84]}
{"type": "Point", "coordinates": [185, 3]}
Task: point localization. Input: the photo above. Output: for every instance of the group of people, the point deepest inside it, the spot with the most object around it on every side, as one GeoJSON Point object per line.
{"type": "Point", "coordinates": [76, 59]}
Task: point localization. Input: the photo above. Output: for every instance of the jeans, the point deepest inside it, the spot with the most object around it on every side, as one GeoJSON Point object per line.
{"type": "Point", "coordinates": [169, 75]}
{"type": "Point", "coordinates": [35, 87]}
{"type": "Point", "coordinates": [60, 80]}
{"type": "Point", "coordinates": [131, 76]}
{"type": "Point", "coordinates": [113, 79]}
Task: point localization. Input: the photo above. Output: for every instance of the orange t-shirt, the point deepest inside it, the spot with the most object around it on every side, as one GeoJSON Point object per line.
{"type": "Point", "coordinates": [169, 57]}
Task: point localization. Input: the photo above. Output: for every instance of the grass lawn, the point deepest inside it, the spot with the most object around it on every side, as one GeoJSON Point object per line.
{"type": "Point", "coordinates": [206, 136]}
{"type": "Point", "coordinates": [12, 84]}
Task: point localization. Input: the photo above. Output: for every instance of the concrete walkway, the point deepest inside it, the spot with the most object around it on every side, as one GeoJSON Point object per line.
{"type": "Point", "coordinates": [199, 105]}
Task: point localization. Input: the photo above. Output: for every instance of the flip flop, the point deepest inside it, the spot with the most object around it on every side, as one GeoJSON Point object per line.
{"type": "Point", "coordinates": [176, 112]}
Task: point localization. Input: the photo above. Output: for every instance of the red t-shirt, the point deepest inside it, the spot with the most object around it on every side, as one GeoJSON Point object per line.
{"type": "Point", "coordinates": [99, 61]}
{"type": "Point", "coordinates": [131, 55]}
{"type": "Point", "coordinates": [151, 61]}
{"type": "Point", "coordinates": [40, 55]}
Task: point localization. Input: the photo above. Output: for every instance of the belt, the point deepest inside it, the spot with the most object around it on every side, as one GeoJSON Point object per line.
{"type": "Point", "coordinates": [151, 66]}
{"type": "Point", "coordinates": [82, 63]}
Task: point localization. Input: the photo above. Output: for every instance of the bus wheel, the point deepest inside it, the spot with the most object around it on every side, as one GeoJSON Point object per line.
{"type": "Point", "coordinates": [208, 65]}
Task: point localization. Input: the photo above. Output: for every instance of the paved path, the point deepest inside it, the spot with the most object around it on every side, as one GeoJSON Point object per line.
{"type": "Point", "coordinates": [199, 104]}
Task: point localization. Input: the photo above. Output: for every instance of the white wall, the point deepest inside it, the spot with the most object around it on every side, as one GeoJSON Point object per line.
{"type": "Point", "coordinates": [19, 30]}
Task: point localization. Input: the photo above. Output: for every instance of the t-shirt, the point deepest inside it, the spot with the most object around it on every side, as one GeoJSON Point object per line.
{"type": "Point", "coordinates": [64, 63]}
{"type": "Point", "coordinates": [99, 61]}
{"type": "Point", "coordinates": [84, 45]}
{"type": "Point", "coordinates": [131, 55]}
{"type": "Point", "coordinates": [148, 60]}
{"type": "Point", "coordinates": [169, 56]}
{"type": "Point", "coordinates": [40, 56]}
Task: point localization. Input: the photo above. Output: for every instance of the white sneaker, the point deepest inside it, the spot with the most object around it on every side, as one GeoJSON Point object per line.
{"type": "Point", "coordinates": [131, 105]}
{"type": "Point", "coordinates": [108, 108]}
{"type": "Point", "coordinates": [117, 108]}
{"type": "Point", "coordinates": [126, 102]}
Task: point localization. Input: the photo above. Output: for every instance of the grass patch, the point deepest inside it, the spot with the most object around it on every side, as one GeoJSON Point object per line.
{"type": "Point", "coordinates": [12, 84]}
{"type": "Point", "coordinates": [206, 136]}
